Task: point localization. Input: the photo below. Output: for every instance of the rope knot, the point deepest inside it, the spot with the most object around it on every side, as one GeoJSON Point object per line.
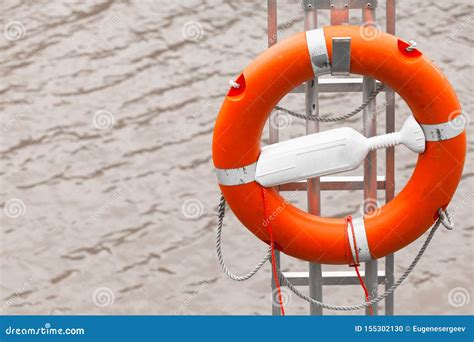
{"type": "Point", "coordinates": [446, 219]}
{"type": "Point", "coordinates": [234, 84]}
{"type": "Point", "coordinates": [413, 45]}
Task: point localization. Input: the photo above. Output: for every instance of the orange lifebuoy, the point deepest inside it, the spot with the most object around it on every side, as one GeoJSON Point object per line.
{"type": "Point", "coordinates": [238, 129]}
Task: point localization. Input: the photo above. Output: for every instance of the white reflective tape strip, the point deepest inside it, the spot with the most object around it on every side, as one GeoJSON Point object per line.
{"type": "Point", "coordinates": [318, 52]}
{"type": "Point", "coordinates": [361, 240]}
{"type": "Point", "coordinates": [445, 130]}
{"type": "Point", "coordinates": [241, 175]}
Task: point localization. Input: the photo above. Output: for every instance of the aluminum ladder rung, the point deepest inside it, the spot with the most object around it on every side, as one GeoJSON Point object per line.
{"type": "Point", "coordinates": [339, 5]}
{"type": "Point", "coordinates": [334, 183]}
{"type": "Point", "coordinates": [336, 85]}
{"type": "Point", "coordinates": [331, 277]}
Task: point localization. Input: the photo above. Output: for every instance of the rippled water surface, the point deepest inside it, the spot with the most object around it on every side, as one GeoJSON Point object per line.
{"type": "Point", "coordinates": [107, 184]}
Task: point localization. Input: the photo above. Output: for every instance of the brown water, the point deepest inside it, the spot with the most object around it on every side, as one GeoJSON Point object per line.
{"type": "Point", "coordinates": [107, 183]}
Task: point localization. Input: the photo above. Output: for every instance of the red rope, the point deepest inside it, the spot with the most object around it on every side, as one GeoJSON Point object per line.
{"type": "Point", "coordinates": [356, 263]}
{"type": "Point", "coordinates": [272, 244]}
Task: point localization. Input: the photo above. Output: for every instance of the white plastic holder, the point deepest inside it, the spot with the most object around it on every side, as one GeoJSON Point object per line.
{"type": "Point", "coordinates": [329, 152]}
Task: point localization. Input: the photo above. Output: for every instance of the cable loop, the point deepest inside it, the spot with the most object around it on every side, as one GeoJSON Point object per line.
{"type": "Point", "coordinates": [327, 118]}
{"type": "Point", "coordinates": [444, 217]}
{"type": "Point", "coordinates": [220, 219]}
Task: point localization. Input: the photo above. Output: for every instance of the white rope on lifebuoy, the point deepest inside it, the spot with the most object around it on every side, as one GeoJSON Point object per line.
{"type": "Point", "coordinates": [413, 45]}
{"type": "Point", "coordinates": [234, 84]}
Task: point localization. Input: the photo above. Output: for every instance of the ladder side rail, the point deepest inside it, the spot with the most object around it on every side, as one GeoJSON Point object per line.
{"type": "Point", "coordinates": [313, 184]}
{"type": "Point", "coordinates": [272, 33]}
{"type": "Point", "coordinates": [390, 163]}
{"type": "Point", "coordinates": [370, 167]}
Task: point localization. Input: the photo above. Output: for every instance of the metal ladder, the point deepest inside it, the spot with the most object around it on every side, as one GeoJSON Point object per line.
{"type": "Point", "coordinates": [370, 182]}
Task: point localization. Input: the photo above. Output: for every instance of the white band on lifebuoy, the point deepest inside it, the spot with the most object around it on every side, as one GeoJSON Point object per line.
{"type": "Point", "coordinates": [237, 176]}
{"type": "Point", "coordinates": [445, 130]}
{"type": "Point", "coordinates": [318, 52]}
{"type": "Point", "coordinates": [363, 250]}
